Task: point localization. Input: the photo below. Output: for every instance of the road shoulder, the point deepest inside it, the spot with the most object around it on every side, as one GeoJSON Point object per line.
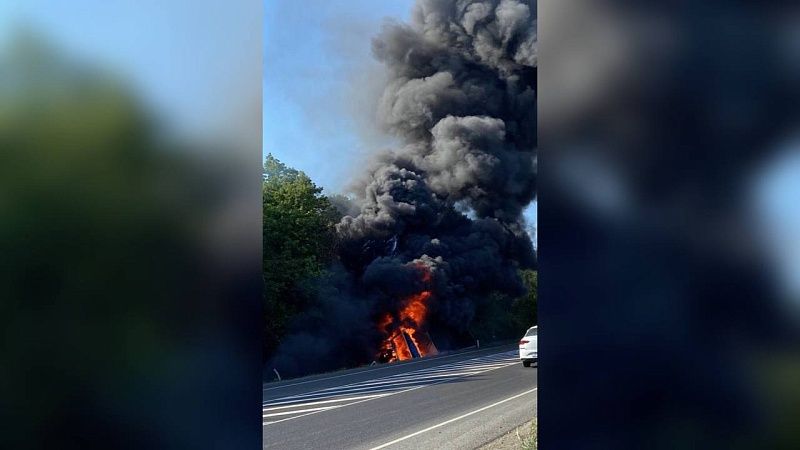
{"type": "Point", "coordinates": [521, 437]}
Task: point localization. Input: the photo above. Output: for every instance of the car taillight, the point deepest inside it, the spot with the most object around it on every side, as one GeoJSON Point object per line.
{"type": "Point", "coordinates": [523, 342]}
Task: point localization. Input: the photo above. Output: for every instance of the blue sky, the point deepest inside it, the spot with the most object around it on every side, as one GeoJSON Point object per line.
{"type": "Point", "coordinates": [315, 54]}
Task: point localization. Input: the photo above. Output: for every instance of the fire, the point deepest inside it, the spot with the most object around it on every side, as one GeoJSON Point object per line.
{"type": "Point", "coordinates": [405, 337]}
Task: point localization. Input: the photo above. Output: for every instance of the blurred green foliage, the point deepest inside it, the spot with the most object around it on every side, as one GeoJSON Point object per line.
{"type": "Point", "coordinates": [99, 256]}
{"type": "Point", "coordinates": [777, 379]}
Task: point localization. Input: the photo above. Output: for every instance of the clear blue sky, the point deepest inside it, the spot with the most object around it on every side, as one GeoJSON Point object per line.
{"type": "Point", "coordinates": [315, 53]}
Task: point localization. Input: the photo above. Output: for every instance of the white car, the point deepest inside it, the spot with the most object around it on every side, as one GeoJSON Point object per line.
{"type": "Point", "coordinates": [529, 347]}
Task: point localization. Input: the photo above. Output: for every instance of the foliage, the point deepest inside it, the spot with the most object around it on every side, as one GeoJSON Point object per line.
{"type": "Point", "coordinates": [531, 441]}
{"type": "Point", "coordinates": [500, 317]}
{"type": "Point", "coordinates": [97, 261]}
{"type": "Point", "coordinates": [524, 308]}
{"type": "Point", "coordinates": [298, 242]}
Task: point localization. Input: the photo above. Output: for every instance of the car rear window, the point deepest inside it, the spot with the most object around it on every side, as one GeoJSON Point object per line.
{"type": "Point", "coordinates": [531, 332]}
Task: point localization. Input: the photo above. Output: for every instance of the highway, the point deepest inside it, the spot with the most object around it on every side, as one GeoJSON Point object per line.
{"type": "Point", "coordinates": [457, 401]}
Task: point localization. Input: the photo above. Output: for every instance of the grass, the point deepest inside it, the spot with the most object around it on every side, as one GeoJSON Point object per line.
{"type": "Point", "coordinates": [529, 443]}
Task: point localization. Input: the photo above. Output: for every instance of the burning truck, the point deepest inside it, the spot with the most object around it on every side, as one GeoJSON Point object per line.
{"type": "Point", "coordinates": [405, 329]}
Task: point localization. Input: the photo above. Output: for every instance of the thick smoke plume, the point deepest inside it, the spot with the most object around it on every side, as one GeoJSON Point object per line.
{"type": "Point", "coordinates": [461, 97]}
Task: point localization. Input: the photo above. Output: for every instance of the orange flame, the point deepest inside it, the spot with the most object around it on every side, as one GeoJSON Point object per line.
{"type": "Point", "coordinates": [409, 329]}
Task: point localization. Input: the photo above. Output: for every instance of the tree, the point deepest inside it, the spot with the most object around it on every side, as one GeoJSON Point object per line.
{"type": "Point", "coordinates": [298, 243]}
{"type": "Point", "coordinates": [524, 309]}
{"type": "Point", "coordinates": [500, 317]}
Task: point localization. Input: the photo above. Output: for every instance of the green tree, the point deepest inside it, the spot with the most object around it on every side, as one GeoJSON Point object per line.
{"type": "Point", "coordinates": [524, 309]}
{"type": "Point", "coordinates": [299, 239]}
{"type": "Point", "coordinates": [500, 317]}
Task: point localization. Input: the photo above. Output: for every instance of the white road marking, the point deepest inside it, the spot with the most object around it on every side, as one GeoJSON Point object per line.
{"type": "Point", "coordinates": [385, 385]}
{"type": "Point", "coordinates": [453, 420]}
{"type": "Point", "coordinates": [298, 405]}
{"type": "Point", "coordinates": [310, 413]}
{"type": "Point", "coordinates": [293, 404]}
{"type": "Point", "coordinates": [388, 366]}
{"type": "Point", "coordinates": [299, 411]}
{"type": "Point", "coordinates": [447, 372]}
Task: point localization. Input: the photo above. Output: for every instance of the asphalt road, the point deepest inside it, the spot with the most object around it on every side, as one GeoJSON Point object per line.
{"type": "Point", "coordinates": [453, 402]}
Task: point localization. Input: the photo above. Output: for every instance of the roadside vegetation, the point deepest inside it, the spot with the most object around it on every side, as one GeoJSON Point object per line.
{"type": "Point", "coordinates": [530, 441]}
{"type": "Point", "coordinates": [298, 244]}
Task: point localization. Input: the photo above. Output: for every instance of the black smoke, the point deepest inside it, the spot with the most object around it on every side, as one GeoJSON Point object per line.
{"type": "Point", "coordinates": [461, 98]}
